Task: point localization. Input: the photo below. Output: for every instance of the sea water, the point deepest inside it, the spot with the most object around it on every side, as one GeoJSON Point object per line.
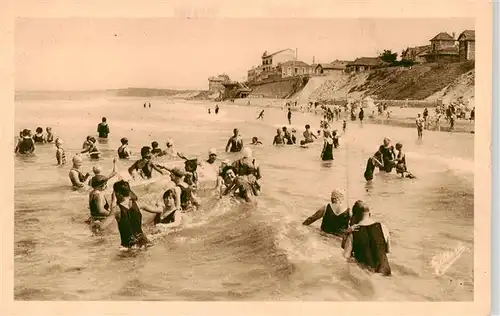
{"type": "Point", "coordinates": [233, 251]}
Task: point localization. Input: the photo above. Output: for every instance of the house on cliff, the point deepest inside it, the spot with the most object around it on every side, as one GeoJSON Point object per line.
{"type": "Point", "coordinates": [416, 54]}
{"type": "Point", "coordinates": [294, 68]}
{"type": "Point", "coordinates": [467, 45]}
{"type": "Point", "coordinates": [365, 63]}
{"type": "Point", "coordinates": [271, 61]}
{"type": "Point", "coordinates": [333, 67]}
{"type": "Point", "coordinates": [443, 49]}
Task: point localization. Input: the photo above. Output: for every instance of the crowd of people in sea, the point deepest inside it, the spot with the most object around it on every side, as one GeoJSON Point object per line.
{"type": "Point", "coordinates": [364, 239]}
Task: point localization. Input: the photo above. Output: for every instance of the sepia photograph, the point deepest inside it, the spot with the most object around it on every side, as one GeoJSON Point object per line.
{"type": "Point", "coordinates": [195, 159]}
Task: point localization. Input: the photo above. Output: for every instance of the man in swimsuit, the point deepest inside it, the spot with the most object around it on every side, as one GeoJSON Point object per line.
{"type": "Point", "coordinates": [123, 151]}
{"type": "Point", "coordinates": [289, 116]}
{"type": "Point", "coordinates": [235, 143]}
{"type": "Point", "coordinates": [76, 176]}
{"type": "Point", "coordinates": [103, 128]}
{"type": "Point", "coordinates": [145, 166]}
{"type": "Point", "coordinates": [335, 216]}
{"type": "Point", "coordinates": [308, 135]}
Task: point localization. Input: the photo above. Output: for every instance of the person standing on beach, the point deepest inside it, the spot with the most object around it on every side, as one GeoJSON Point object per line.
{"type": "Point", "coordinates": [473, 114]}
{"type": "Point", "coordinates": [426, 114]}
{"type": "Point", "coordinates": [420, 125]}
{"type": "Point", "coordinates": [289, 116]}
{"type": "Point", "coordinates": [216, 109]}
{"type": "Point", "coordinates": [344, 126]}
{"type": "Point", "coordinates": [103, 128]}
{"type": "Point", "coordinates": [235, 142]}
{"type": "Point", "coordinates": [361, 115]}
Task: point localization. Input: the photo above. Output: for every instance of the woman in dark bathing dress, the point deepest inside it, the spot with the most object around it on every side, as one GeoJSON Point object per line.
{"type": "Point", "coordinates": [128, 217]}
{"type": "Point", "coordinates": [367, 241]}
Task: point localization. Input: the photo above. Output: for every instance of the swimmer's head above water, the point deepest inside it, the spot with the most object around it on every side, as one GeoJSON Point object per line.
{"type": "Point", "coordinates": [337, 196]}
{"type": "Point", "coordinates": [77, 161]}
{"type": "Point", "coordinates": [58, 142]}
{"type": "Point", "coordinates": [124, 141]}
{"type": "Point", "coordinates": [97, 170]}
{"type": "Point", "coordinates": [154, 145]}
{"type": "Point", "coordinates": [99, 182]}
{"type": "Point", "coordinates": [146, 152]}
{"type": "Point", "coordinates": [399, 146]}
{"type": "Point", "coordinates": [212, 155]}
{"type": "Point", "coordinates": [39, 130]}
{"type": "Point", "coordinates": [360, 211]}
{"type": "Point", "coordinates": [169, 198]}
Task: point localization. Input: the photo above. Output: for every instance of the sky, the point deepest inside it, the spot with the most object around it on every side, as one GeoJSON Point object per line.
{"type": "Point", "coordinates": [112, 53]}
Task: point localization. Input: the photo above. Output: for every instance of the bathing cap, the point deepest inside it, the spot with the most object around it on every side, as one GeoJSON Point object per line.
{"type": "Point", "coordinates": [59, 141]}
{"type": "Point", "coordinates": [247, 152]}
{"type": "Point", "coordinates": [77, 159]}
{"type": "Point", "coordinates": [337, 194]}
{"type": "Point", "coordinates": [97, 169]}
{"type": "Point", "coordinates": [212, 151]}
{"type": "Point", "coordinates": [98, 180]}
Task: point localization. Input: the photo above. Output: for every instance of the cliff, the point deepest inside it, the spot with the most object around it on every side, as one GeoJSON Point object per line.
{"type": "Point", "coordinates": [421, 82]}
{"type": "Point", "coordinates": [280, 88]}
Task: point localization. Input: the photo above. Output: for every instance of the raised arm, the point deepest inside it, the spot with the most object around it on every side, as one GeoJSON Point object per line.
{"type": "Point", "coordinates": [311, 219]}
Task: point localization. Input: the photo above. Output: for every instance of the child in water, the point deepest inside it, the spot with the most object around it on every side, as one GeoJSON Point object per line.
{"type": "Point", "coordinates": [50, 136]}
{"type": "Point", "coordinates": [400, 162]}
{"type": "Point", "coordinates": [92, 149]}
{"type": "Point", "coordinates": [60, 154]}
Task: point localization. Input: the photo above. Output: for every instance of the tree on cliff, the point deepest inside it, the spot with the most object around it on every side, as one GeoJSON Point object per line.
{"type": "Point", "coordinates": [388, 56]}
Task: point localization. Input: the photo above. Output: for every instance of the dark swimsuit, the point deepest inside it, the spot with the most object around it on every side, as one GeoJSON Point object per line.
{"type": "Point", "coordinates": [328, 152]}
{"type": "Point", "coordinates": [26, 146]}
{"type": "Point", "coordinates": [236, 145]}
{"type": "Point", "coordinates": [122, 154]}
{"type": "Point", "coordinates": [50, 138]}
{"type": "Point", "coordinates": [169, 219]}
{"type": "Point", "coordinates": [334, 224]}
{"type": "Point", "coordinates": [81, 177]}
{"type": "Point", "coordinates": [369, 248]}
{"type": "Point", "coordinates": [130, 226]}
{"type": "Point", "coordinates": [38, 139]}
